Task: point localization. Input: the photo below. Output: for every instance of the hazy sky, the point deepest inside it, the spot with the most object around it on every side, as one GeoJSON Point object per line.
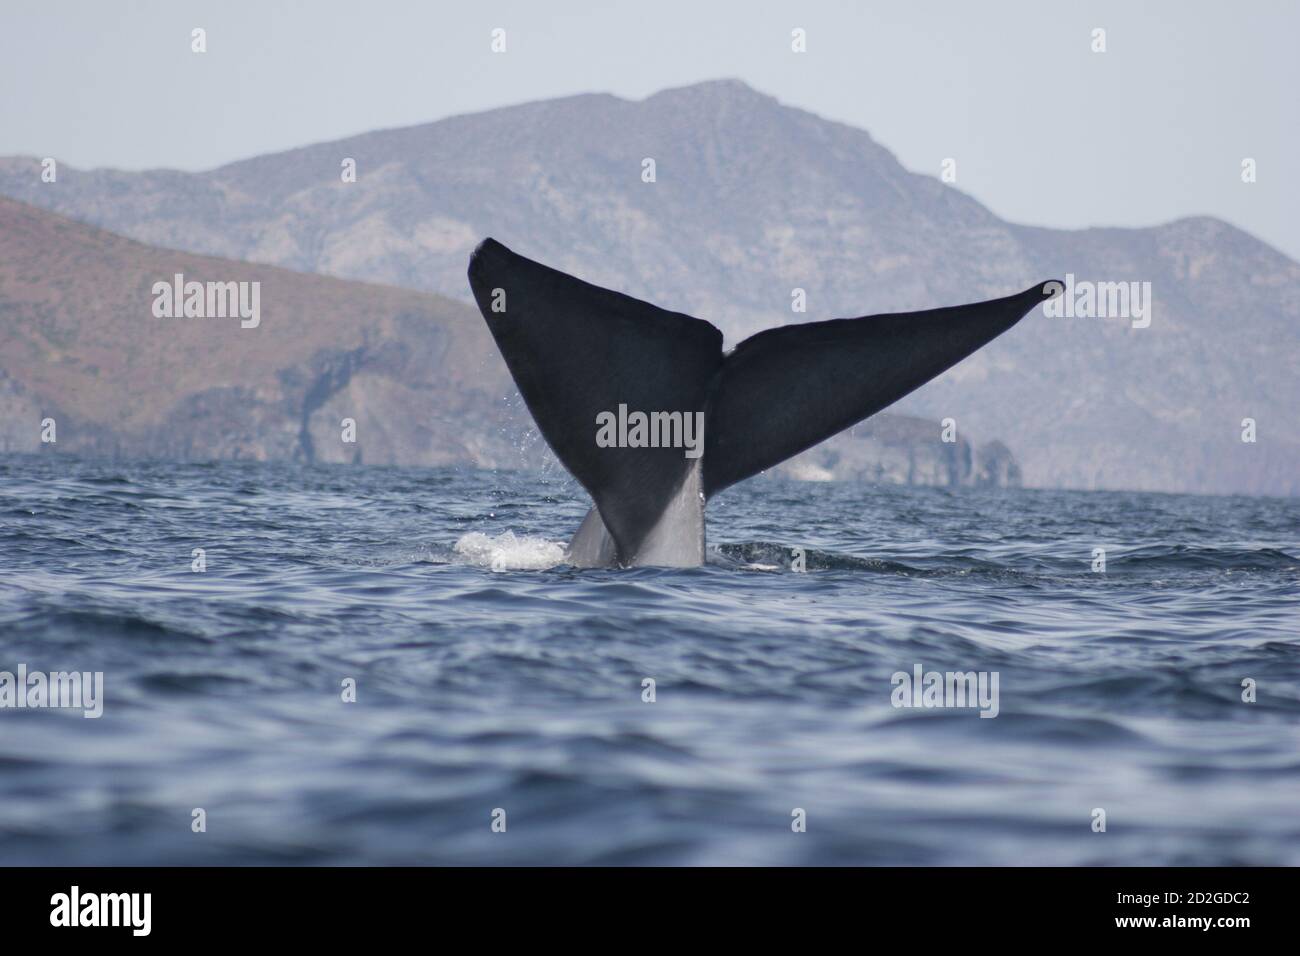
{"type": "Point", "coordinates": [1044, 131]}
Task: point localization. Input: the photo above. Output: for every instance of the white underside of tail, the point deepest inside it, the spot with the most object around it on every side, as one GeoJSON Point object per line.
{"type": "Point", "coordinates": [676, 540]}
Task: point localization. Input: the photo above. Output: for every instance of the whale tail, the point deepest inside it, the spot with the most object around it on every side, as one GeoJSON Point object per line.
{"type": "Point", "coordinates": [583, 356]}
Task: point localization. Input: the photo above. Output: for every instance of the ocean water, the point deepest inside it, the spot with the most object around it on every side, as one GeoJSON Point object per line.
{"type": "Point", "coordinates": [494, 682]}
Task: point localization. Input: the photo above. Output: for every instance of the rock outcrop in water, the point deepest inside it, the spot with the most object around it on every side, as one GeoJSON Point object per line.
{"type": "Point", "coordinates": [417, 374]}
{"type": "Point", "coordinates": [753, 199]}
{"type": "Point", "coordinates": [904, 450]}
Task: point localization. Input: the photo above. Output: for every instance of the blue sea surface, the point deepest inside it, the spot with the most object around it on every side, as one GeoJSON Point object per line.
{"type": "Point", "coordinates": [494, 682]}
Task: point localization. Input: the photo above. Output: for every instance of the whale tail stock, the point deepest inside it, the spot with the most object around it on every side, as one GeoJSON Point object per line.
{"type": "Point", "coordinates": [578, 351]}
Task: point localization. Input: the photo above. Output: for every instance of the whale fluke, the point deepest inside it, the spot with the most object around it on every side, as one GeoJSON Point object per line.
{"type": "Point", "coordinates": [578, 352]}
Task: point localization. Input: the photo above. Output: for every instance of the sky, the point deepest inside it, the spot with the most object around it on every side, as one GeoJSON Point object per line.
{"type": "Point", "coordinates": [1043, 129]}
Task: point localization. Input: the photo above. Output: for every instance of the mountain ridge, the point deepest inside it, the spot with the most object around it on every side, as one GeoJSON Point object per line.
{"type": "Point", "coordinates": [752, 200]}
{"type": "Point", "coordinates": [80, 344]}
{"type": "Point", "coordinates": [417, 376]}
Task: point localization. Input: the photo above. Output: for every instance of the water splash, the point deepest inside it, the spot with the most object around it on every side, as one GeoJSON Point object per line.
{"type": "Point", "coordinates": [509, 552]}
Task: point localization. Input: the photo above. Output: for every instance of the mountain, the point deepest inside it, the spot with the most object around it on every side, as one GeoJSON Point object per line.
{"type": "Point", "coordinates": [752, 200]}
{"type": "Point", "coordinates": [419, 375]}
{"type": "Point", "coordinates": [80, 343]}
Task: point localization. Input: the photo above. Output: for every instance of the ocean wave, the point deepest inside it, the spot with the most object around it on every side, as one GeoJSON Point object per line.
{"type": "Point", "coordinates": [767, 556]}
{"type": "Point", "coordinates": [1183, 557]}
